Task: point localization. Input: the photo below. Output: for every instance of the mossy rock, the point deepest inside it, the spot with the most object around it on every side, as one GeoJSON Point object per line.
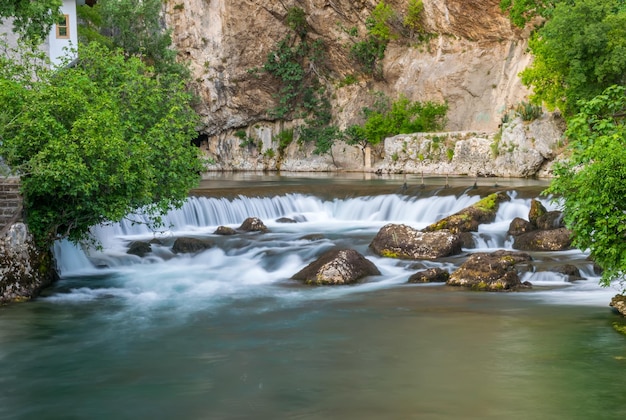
{"type": "Point", "coordinates": [468, 219]}
{"type": "Point", "coordinates": [493, 272]}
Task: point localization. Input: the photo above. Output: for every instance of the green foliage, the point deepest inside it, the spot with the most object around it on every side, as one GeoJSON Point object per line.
{"type": "Point", "coordinates": [400, 117]}
{"type": "Point", "coordinates": [134, 26]}
{"type": "Point", "coordinates": [96, 141]}
{"type": "Point", "coordinates": [296, 63]}
{"type": "Point", "coordinates": [592, 182]}
{"type": "Point", "coordinates": [31, 19]}
{"type": "Point", "coordinates": [522, 11]}
{"type": "Point", "coordinates": [296, 20]}
{"type": "Point", "coordinates": [368, 52]}
{"type": "Point", "coordinates": [578, 53]}
{"type": "Point", "coordinates": [378, 24]}
{"type": "Point", "coordinates": [528, 111]}
{"type": "Point", "coordinates": [413, 18]}
{"type": "Point", "coordinates": [246, 141]}
{"type": "Point", "coordinates": [299, 88]}
{"type": "Point", "coordinates": [284, 138]}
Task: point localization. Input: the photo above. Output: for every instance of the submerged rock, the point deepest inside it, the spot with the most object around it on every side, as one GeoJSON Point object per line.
{"type": "Point", "coordinates": [404, 242]}
{"type": "Point", "coordinates": [492, 272]}
{"type": "Point", "coordinates": [285, 220]}
{"type": "Point", "coordinates": [468, 219]}
{"type": "Point", "coordinates": [337, 267]}
{"type": "Point", "coordinates": [430, 275]}
{"type": "Point", "coordinates": [570, 271]}
{"type": "Point", "coordinates": [139, 248]}
{"type": "Point", "coordinates": [253, 224]}
{"type": "Point", "coordinates": [224, 230]}
{"type": "Point", "coordinates": [186, 245]}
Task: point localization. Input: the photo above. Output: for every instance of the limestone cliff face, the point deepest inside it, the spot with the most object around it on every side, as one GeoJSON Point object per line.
{"type": "Point", "coordinates": [472, 63]}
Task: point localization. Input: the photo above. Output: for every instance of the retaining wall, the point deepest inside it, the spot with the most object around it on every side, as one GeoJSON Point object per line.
{"type": "Point", "coordinates": [10, 203]}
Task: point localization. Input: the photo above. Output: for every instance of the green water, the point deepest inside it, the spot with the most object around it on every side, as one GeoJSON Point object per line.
{"type": "Point", "coordinates": [403, 352]}
{"type": "Point", "coordinates": [226, 335]}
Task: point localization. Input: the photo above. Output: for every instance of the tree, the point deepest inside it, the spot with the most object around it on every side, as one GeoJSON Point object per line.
{"type": "Point", "coordinates": [136, 27]}
{"type": "Point", "coordinates": [31, 19]}
{"type": "Point", "coordinates": [97, 141]}
{"type": "Point", "coordinates": [578, 53]}
{"type": "Point", "coordinates": [522, 11]}
{"type": "Point", "coordinates": [592, 182]}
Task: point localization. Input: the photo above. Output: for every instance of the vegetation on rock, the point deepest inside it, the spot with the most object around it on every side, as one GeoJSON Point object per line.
{"type": "Point", "coordinates": [386, 119]}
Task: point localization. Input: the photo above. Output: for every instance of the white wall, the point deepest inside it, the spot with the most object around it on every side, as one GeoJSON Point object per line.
{"type": "Point", "coordinates": [57, 46]}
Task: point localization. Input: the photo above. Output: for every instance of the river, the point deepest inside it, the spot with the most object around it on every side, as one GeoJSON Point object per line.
{"type": "Point", "coordinates": [225, 334]}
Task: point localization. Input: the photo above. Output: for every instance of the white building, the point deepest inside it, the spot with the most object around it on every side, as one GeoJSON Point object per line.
{"type": "Point", "coordinates": [63, 38]}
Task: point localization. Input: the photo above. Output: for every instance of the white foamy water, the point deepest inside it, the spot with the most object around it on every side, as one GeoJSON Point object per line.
{"type": "Point", "coordinates": [253, 264]}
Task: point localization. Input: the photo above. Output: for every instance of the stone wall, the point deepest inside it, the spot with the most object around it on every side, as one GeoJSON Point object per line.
{"type": "Point", "coordinates": [10, 203]}
{"type": "Point", "coordinates": [24, 268]}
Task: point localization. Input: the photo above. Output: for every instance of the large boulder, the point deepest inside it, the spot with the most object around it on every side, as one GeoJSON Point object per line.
{"type": "Point", "coordinates": [544, 240]}
{"type": "Point", "coordinates": [430, 275]}
{"type": "Point", "coordinates": [468, 219]}
{"type": "Point", "coordinates": [186, 245]}
{"type": "Point", "coordinates": [492, 272]}
{"type": "Point", "coordinates": [253, 224]}
{"type": "Point", "coordinates": [404, 242]}
{"type": "Point", "coordinates": [619, 304]}
{"type": "Point", "coordinates": [337, 267]}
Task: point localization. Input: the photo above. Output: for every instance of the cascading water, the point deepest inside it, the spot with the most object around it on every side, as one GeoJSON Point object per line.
{"type": "Point", "coordinates": [238, 264]}
{"type": "Point", "coordinates": [225, 333]}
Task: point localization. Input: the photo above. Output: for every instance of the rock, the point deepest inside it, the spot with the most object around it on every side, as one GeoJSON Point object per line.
{"type": "Point", "coordinates": [431, 275]}
{"type": "Point", "coordinates": [468, 219]}
{"type": "Point", "coordinates": [492, 272]}
{"type": "Point", "coordinates": [619, 304]}
{"type": "Point", "coordinates": [139, 248]}
{"type": "Point", "coordinates": [253, 224]}
{"type": "Point", "coordinates": [544, 240]}
{"type": "Point", "coordinates": [519, 226]}
{"type": "Point", "coordinates": [189, 245]}
{"type": "Point", "coordinates": [224, 230]}
{"type": "Point", "coordinates": [404, 242]}
{"type": "Point", "coordinates": [337, 267]}
{"type": "Point", "coordinates": [25, 268]}
{"type": "Point", "coordinates": [536, 211]}
{"type": "Point", "coordinates": [312, 237]}
{"type": "Point", "coordinates": [571, 271]}
{"type": "Point", "coordinates": [550, 220]}
{"type": "Point", "coordinates": [285, 220]}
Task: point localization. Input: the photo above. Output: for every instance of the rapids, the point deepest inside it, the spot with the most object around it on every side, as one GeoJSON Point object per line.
{"type": "Point", "coordinates": [225, 333]}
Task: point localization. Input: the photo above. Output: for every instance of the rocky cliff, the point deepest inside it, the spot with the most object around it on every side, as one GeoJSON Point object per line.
{"type": "Point", "coordinates": [470, 59]}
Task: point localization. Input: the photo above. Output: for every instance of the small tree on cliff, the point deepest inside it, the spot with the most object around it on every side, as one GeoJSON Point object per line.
{"type": "Point", "coordinates": [96, 141]}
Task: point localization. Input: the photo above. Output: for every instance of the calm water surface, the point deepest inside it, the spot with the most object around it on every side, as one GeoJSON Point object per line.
{"type": "Point", "coordinates": [226, 335]}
